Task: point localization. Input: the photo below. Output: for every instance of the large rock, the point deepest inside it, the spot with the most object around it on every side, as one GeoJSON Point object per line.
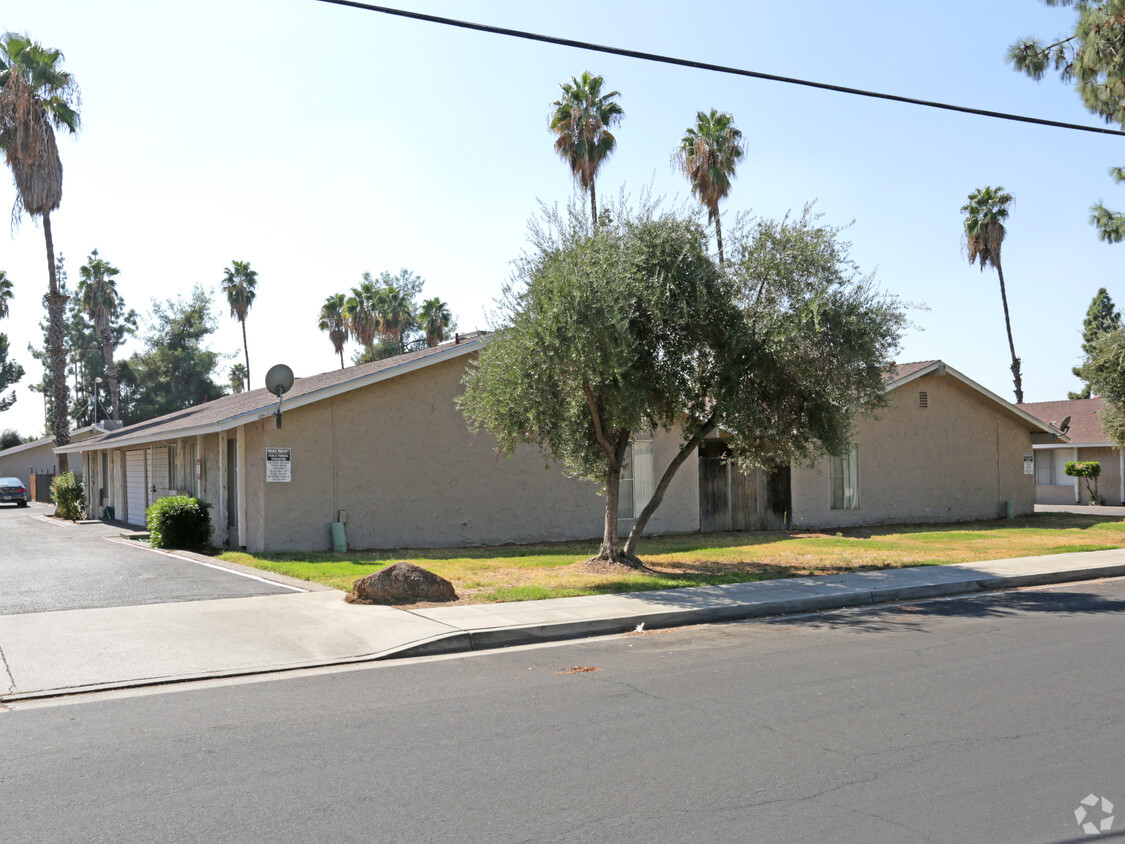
{"type": "Point", "coordinates": [401, 583]}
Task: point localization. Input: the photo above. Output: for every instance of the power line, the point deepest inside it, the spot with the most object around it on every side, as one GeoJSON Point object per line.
{"type": "Point", "coordinates": [718, 68]}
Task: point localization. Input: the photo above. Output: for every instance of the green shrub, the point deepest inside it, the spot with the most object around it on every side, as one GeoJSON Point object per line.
{"type": "Point", "coordinates": [1087, 470]}
{"type": "Point", "coordinates": [66, 492]}
{"type": "Point", "coordinates": [179, 521]}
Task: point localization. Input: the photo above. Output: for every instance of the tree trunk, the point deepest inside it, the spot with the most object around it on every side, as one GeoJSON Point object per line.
{"type": "Point", "coordinates": [1017, 377]}
{"type": "Point", "coordinates": [593, 203]}
{"type": "Point", "coordinates": [341, 358]}
{"type": "Point", "coordinates": [56, 349]}
{"type": "Point", "coordinates": [246, 352]}
{"type": "Point", "coordinates": [609, 552]}
{"type": "Point", "coordinates": [719, 237]}
{"type": "Point", "coordinates": [612, 498]}
{"type": "Point", "coordinates": [630, 549]}
{"type": "Point", "coordinates": [110, 376]}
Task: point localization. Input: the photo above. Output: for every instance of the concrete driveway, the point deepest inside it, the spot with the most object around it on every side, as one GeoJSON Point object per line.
{"type": "Point", "coordinates": [48, 565]}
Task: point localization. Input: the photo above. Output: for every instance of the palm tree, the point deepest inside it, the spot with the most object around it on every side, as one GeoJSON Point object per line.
{"type": "Point", "coordinates": [97, 291]}
{"type": "Point", "coordinates": [36, 98]}
{"type": "Point", "coordinates": [6, 294]}
{"type": "Point", "coordinates": [582, 118]}
{"type": "Point", "coordinates": [435, 319]}
{"type": "Point", "coordinates": [985, 213]}
{"type": "Point", "coordinates": [708, 154]}
{"type": "Point", "coordinates": [237, 377]}
{"type": "Point", "coordinates": [334, 320]}
{"type": "Point", "coordinates": [360, 312]}
{"type": "Point", "coordinates": [240, 285]}
{"type": "Point", "coordinates": [396, 315]}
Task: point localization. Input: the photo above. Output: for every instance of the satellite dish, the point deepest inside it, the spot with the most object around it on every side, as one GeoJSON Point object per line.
{"type": "Point", "coordinates": [1064, 426]}
{"type": "Point", "coordinates": [279, 379]}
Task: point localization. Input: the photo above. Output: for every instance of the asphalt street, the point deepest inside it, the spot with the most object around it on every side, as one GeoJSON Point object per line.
{"type": "Point", "coordinates": [984, 719]}
{"type": "Point", "coordinates": [47, 565]}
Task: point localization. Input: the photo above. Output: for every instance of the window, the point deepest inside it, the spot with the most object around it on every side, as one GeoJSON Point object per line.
{"type": "Point", "coordinates": [843, 474]}
{"type": "Point", "coordinates": [638, 480]}
{"type": "Point", "coordinates": [1044, 467]}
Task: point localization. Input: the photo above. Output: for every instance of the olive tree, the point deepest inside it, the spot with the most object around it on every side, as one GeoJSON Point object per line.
{"type": "Point", "coordinates": [613, 331]}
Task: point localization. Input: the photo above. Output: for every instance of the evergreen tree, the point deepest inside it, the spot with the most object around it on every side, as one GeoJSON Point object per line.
{"type": "Point", "coordinates": [86, 360]}
{"type": "Point", "coordinates": [10, 373]}
{"type": "Point", "coordinates": [1093, 58]}
{"type": "Point", "coordinates": [175, 368]}
{"type": "Point", "coordinates": [1102, 317]}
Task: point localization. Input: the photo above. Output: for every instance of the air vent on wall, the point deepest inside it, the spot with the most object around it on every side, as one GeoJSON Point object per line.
{"type": "Point", "coordinates": [923, 398]}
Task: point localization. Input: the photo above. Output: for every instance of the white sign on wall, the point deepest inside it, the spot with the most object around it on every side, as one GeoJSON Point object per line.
{"type": "Point", "coordinates": [1029, 464]}
{"type": "Point", "coordinates": [279, 465]}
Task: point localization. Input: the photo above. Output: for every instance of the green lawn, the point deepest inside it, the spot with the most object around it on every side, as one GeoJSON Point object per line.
{"type": "Point", "coordinates": [554, 570]}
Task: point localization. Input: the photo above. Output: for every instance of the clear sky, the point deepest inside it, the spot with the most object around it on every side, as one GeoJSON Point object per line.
{"type": "Point", "coordinates": [318, 141]}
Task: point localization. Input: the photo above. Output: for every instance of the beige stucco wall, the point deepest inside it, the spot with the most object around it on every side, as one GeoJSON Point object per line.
{"type": "Point", "coordinates": [19, 461]}
{"type": "Point", "coordinates": [399, 458]}
{"type": "Point", "coordinates": [958, 459]}
{"type": "Point", "coordinates": [1109, 482]}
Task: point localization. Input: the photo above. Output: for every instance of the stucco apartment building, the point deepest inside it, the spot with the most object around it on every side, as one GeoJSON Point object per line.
{"type": "Point", "coordinates": [38, 456]}
{"type": "Point", "coordinates": [383, 448]}
{"type": "Point", "coordinates": [1086, 441]}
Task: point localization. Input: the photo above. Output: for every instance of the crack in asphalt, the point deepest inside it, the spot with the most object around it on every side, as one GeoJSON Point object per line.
{"type": "Point", "coordinates": [648, 694]}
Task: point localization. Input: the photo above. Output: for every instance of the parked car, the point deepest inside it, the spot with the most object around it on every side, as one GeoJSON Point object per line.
{"type": "Point", "coordinates": [12, 489]}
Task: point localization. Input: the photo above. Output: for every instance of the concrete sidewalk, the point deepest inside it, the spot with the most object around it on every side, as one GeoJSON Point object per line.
{"type": "Point", "coordinates": [56, 653]}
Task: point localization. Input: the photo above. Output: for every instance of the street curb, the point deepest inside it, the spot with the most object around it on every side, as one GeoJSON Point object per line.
{"type": "Point", "coordinates": [467, 641]}
{"type": "Point", "coordinates": [500, 637]}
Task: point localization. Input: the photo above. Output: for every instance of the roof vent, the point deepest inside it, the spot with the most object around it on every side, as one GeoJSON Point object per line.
{"type": "Point", "coordinates": [923, 398]}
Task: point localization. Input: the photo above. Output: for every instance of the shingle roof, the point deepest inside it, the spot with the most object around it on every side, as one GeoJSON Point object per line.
{"type": "Point", "coordinates": [900, 370]}
{"type": "Point", "coordinates": [1085, 417]}
{"type": "Point", "coordinates": [227, 408]}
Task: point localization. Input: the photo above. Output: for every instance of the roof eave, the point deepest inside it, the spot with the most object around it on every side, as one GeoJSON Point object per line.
{"type": "Point", "coordinates": [257, 413]}
{"type": "Point", "coordinates": [941, 368]}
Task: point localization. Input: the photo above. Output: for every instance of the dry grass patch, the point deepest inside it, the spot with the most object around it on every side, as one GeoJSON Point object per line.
{"type": "Point", "coordinates": [555, 570]}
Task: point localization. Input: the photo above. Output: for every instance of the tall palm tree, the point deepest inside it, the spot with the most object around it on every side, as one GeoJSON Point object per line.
{"type": "Point", "coordinates": [985, 213]}
{"type": "Point", "coordinates": [582, 118]}
{"type": "Point", "coordinates": [334, 320]}
{"type": "Point", "coordinates": [237, 377]}
{"type": "Point", "coordinates": [6, 294]}
{"type": "Point", "coordinates": [396, 315]}
{"type": "Point", "coordinates": [360, 311]}
{"type": "Point", "coordinates": [435, 319]}
{"type": "Point", "coordinates": [708, 154]}
{"type": "Point", "coordinates": [240, 285]}
{"type": "Point", "coordinates": [97, 292]}
{"type": "Point", "coordinates": [37, 97]}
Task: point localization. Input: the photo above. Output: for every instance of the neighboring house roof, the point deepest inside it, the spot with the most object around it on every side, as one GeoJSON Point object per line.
{"type": "Point", "coordinates": [232, 411]}
{"type": "Point", "coordinates": [901, 374]}
{"type": "Point", "coordinates": [76, 434]}
{"type": "Point", "coordinates": [1085, 419]}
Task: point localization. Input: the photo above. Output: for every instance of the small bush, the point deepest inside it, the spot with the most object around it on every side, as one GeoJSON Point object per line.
{"type": "Point", "coordinates": [179, 521]}
{"type": "Point", "coordinates": [66, 492]}
{"type": "Point", "coordinates": [1087, 470]}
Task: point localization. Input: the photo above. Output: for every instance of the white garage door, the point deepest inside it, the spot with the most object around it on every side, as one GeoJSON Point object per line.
{"type": "Point", "coordinates": [136, 487]}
